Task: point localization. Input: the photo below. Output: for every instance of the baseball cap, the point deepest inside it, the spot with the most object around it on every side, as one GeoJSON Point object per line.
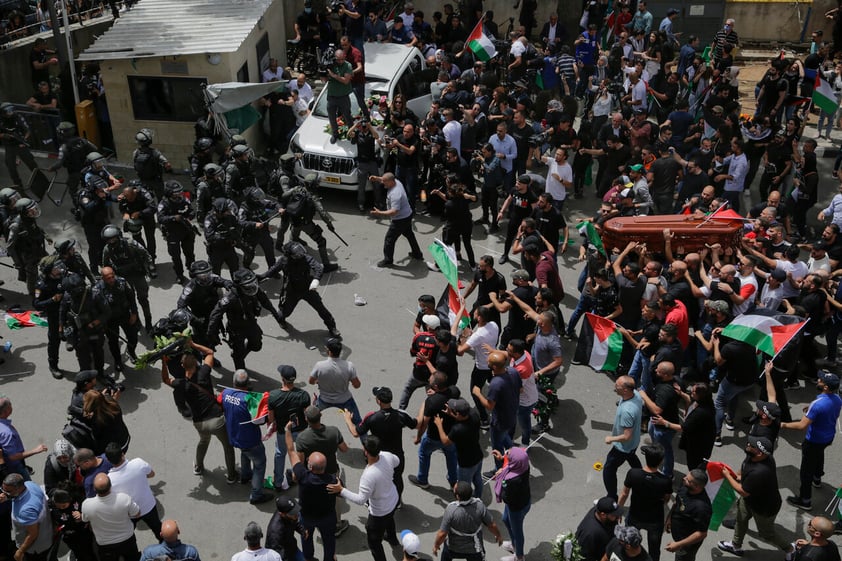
{"type": "Point", "coordinates": [628, 534]}
{"type": "Point", "coordinates": [459, 406]}
{"type": "Point", "coordinates": [253, 532]}
{"type": "Point", "coordinates": [639, 111]}
{"type": "Point", "coordinates": [771, 410]}
{"type": "Point", "coordinates": [312, 413]}
{"type": "Point", "coordinates": [525, 179]}
{"type": "Point", "coordinates": [636, 167]}
{"type": "Point", "coordinates": [625, 193]}
{"type": "Point", "coordinates": [520, 274]}
{"type": "Point", "coordinates": [672, 12]}
{"type": "Point", "coordinates": [608, 505]}
{"type": "Point", "coordinates": [830, 379]}
{"type": "Point", "coordinates": [720, 306]}
{"type": "Point", "coordinates": [288, 506]}
{"type": "Point", "coordinates": [761, 444]}
{"type": "Point", "coordinates": [287, 372]}
{"type": "Point", "coordinates": [431, 321]}
{"type": "Point", "coordinates": [778, 274]}
{"type": "Point", "coordinates": [382, 393]}
{"type": "Point", "coordinates": [820, 244]}
{"type": "Point", "coordinates": [410, 542]}
{"type": "Point", "coordinates": [85, 376]}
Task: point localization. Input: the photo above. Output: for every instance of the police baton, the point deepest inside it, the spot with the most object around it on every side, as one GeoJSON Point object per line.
{"type": "Point", "coordinates": [331, 227]}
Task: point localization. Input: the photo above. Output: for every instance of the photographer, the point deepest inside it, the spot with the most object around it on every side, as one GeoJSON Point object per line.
{"type": "Point", "coordinates": [491, 169]}
{"type": "Point", "coordinates": [357, 60]}
{"type": "Point", "coordinates": [339, 88]}
{"type": "Point", "coordinates": [457, 217]}
{"type": "Point", "coordinates": [364, 136]}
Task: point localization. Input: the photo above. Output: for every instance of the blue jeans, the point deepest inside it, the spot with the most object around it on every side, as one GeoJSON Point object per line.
{"type": "Point", "coordinates": [349, 405]}
{"type": "Point", "coordinates": [253, 465]}
{"type": "Point", "coordinates": [278, 473]}
{"type": "Point", "coordinates": [513, 519]}
{"type": "Point", "coordinates": [640, 368]}
{"type": "Point", "coordinates": [664, 436]}
{"type": "Point", "coordinates": [585, 304]}
{"type": "Point", "coordinates": [524, 419]}
{"type": "Point", "coordinates": [426, 449]}
{"type": "Point", "coordinates": [726, 401]}
{"type": "Point", "coordinates": [501, 440]}
{"type": "Point", "coordinates": [472, 475]}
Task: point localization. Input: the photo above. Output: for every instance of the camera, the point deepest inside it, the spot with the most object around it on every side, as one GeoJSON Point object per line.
{"type": "Point", "coordinates": [615, 88]}
{"type": "Point", "coordinates": [438, 139]}
{"type": "Point", "coordinates": [387, 139]}
{"type": "Point", "coordinates": [334, 6]}
{"type": "Point", "coordinates": [327, 58]}
{"type": "Point", "coordinates": [538, 139]}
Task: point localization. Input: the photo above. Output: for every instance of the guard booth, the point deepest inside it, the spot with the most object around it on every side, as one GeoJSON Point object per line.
{"type": "Point", "coordinates": [702, 18]}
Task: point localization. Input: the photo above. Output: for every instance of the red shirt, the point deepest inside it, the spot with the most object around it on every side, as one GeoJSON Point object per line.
{"type": "Point", "coordinates": [354, 56]}
{"type": "Point", "coordinates": [678, 316]}
{"type": "Point", "coordinates": [546, 273]}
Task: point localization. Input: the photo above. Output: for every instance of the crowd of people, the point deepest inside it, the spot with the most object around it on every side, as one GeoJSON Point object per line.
{"type": "Point", "coordinates": [664, 127]}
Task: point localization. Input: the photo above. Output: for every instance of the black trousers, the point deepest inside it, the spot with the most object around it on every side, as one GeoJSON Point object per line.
{"type": "Point", "coordinates": [141, 288]}
{"type": "Point", "coordinates": [13, 152]}
{"type": "Point", "coordinates": [95, 245]}
{"type": "Point", "coordinates": [398, 228]}
{"type": "Point", "coordinates": [152, 521]}
{"type": "Point", "coordinates": [615, 459]}
{"type": "Point", "coordinates": [149, 232]}
{"type": "Point", "coordinates": [263, 239]}
{"type": "Point", "coordinates": [378, 528]}
{"type": "Point", "coordinates": [479, 377]}
{"type": "Point", "coordinates": [113, 335]}
{"type": "Point", "coordinates": [223, 253]}
{"type": "Point", "coordinates": [812, 467]}
{"type": "Point", "coordinates": [53, 337]}
{"type": "Point", "coordinates": [126, 549]}
{"type": "Point", "coordinates": [243, 340]}
{"type": "Point", "coordinates": [293, 297]}
{"type": "Point", "coordinates": [90, 352]}
{"type": "Point", "coordinates": [186, 245]}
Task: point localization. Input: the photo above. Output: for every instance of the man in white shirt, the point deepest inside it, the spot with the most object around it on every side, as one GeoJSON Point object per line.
{"type": "Point", "coordinates": [485, 334]}
{"type": "Point", "coordinates": [253, 551]}
{"type": "Point", "coordinates": [274, 73]}
{"type": "Point", "coordinates": [110, 516]}
{"type": "Point", "coordinates": [559, 177]}
{"type": "Point", "coordinates": [452, 130]}
{"type": "Point", "coordinates": [132, 478]}
{"type": "Point", "coordinates": [300, 85]}
{"type": "Point", "coordinates": [377, 488]}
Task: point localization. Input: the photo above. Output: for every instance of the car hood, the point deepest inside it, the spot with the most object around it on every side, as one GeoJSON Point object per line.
{"type": "Point", "coordinates": [312, 138]}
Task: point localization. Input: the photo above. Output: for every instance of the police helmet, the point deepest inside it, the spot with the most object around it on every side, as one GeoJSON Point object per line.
{"type": "Point", "coordinates": [6, 109]}
{"type": "Point", "coordinates": [144, 137]}
{"type": "Point", "coordinates": [27, 207]}
{"type": "Point", "coordinates": [213, 170]}
{"type": "Point", "coordinates": [57, 267]}
{"type": "Point", "coordinates": [238, 140]}
{"type": "Point", "coordinates": [240, 150]}
{"type": "Point", "coordinates": [111, 233]}
{"type": "Point", "coordinates": [73, 282]}
{"type": "Point", "coordinates": [294, 250]}
{"type": "Point", "coordinates": [133, 225]}
{"type": "Point", "coordinates": [65, 247]}
{"type": "Point", "coordinates": [66, 129]}
{"type": "Point", "coordinates": [173, 189]}
{"type": "Point", "coordinates": [204, 144]}
{"type": "Point", "coordinates": [180, 319]}
{"type": "Point", "coordinates": [135, 183]}
{"type": "Point", "coordinates": [220, 205]}
{"type": "Point", "coordinates": [255, 196]}
{"type": "Point", "coordinates": [246, 281]}
{"type": "Point", "coordinates": [95, 159]}
{"type": "Point", "coordinates": [201, 271]}
{"type": "Point", "coordinates": [8, 196]}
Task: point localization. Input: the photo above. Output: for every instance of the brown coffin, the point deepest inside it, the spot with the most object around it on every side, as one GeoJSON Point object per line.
{"type": "Point", "coordinates": [690, 234]}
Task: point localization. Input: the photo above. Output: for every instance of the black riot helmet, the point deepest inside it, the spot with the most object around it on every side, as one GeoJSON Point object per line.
{"type": "Point", "coordinates": [66, 247]}
{"type": "Point", "coordinates": [28, 208]}
{"type": "Point", "coordinates": [111, 234]}
{"type": "Point", "coordinates": [133, 225]}
{"type": "Point", "coordinates": [246, 282]}
{"type": "Point", "coordinates": [213, 171]}
{"type": "Point", "coordinates": [180, 319]}
{"type": "Point", "coordinates": [8, 196]}
{"type": "Point", "coordinates": [220, 206]}
{"type": "Point", "coordinates": [65, 130]}
{"type": "Point", "coordinates": [255, 197]}
{"type": "Point", "coordinates": [144, 137]}
{"type": "Point", "coordinates": [55, 270]}
{"type": "Point", "coordinates": [6, 109]}
{"type": "Point", "coordinates": [294, 250]}
{"type": "Point", "coordinates": [95, 160]}
{"type": "Point", "coordinates": [240, 150]}
{"type": "Point", "coordinates": [73, 283]}
{"type": "Point", "coordinates": [201, 271]}
{"type": "Point", "coordinates": [238, 140]}
{"type": "Point", "coordinates": [173, 191]}
{"type": "Point", "coordinates": [203, 144]}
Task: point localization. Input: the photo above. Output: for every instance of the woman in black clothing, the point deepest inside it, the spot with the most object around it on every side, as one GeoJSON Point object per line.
{"type": "Point", "coordinates": [106, 420]}
{"type": "Point", "coordinates": [698, 429]}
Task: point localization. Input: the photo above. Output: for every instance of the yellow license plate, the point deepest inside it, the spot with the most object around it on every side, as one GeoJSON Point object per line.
{"type": "Point", "coordinates": [331, 179]}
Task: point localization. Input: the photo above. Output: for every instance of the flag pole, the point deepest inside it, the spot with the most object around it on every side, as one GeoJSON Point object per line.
{"type": "Point", "coordinates": [710, 216]}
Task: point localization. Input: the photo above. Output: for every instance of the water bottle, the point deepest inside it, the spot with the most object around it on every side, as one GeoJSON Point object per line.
{"type": "Point", "coordinates": [7, 346]}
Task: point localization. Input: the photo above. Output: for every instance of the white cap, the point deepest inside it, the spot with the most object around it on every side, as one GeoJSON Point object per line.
{"type": "Point", "coordinates": [411, 542]}
{"type": "Point", "coordinates": [431, 321]}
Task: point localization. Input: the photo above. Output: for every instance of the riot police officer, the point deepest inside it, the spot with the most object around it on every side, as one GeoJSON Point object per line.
{"type": "Point", "coordinates": [83, 317]}
{"type": "Point", "coordinates": [132, 262]}
{"type": "Point", "coordinates": [120, 297]}
{"type": "Point", "coordinates": [301, 280]}
{"type": "Point", "coordinates": [14, 134]}
{"type": "Point", "coordinates": [149, 163]}
{"type": "Point", "coordinates": [239, 175]}
{"type": "Point", "coordinates": [27, 242]}
{"type": "Point", "coordinates": [242, 308]}
{"type": "Point", "coordinates": [137, 205]}
{"type": "Point", "coordinates": [75, 263]}
{"type": "Point", "coordinates": [210, 188]}
{"type": "Point", "coordinates": [222, 235]}
{"type": "Point", "coordinates": [200, 295]}
{"type": "Point", "coordinates": [91, 207]}
{"type": "Point", "coordinates": [202, 156]}
{"type": "Point", "coordinates": [47, 300]}
{"type": "Point", "coordinates": [254, 216]}
{"type": "Point", "coordinates": [71, 154]}
{"type": "Point", "coordinates": [176, 322]}
{"type": "Point", "coordinates": [299, 208]}
{"type": "Point", "coordinates": [8, 198]}
{"type": "Point", "coordinates": [175, 214]}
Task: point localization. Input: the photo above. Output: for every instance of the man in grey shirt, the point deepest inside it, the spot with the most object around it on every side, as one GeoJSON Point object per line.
{"type": "Point", "coordinates": [462, 525]}
{"type": "Point", "coordinates": [333, 375]}
{"type": "Point", "coordinates": [400, 213]}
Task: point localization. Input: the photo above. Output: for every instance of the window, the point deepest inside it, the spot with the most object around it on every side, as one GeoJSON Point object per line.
{"type": "Point", "coordinates": [243, 73]}
{"type": "Point", "coordinates": [156, 98]}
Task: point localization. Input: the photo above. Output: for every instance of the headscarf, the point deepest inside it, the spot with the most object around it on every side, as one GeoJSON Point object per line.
{"type": "Point", "coordinates": [516, 465]}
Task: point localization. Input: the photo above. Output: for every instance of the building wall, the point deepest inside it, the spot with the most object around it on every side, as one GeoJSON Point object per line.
{"type": "Point", "coordinates": [774, 21]}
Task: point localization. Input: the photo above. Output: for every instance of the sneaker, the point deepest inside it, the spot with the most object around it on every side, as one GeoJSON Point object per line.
{"type": "Point", "coordinates": [333, 139]}
{"type": "Point", "coordinates": [56, 372]}
{"type": "Point", "coordinates": [509, 558]}
{"type": "Point", "coordinates": [334, 333]}
{"type": "Point", "coordinates": [507, 545]}
{"type": "Point", "coordinates": [730, 548]}
{"type": "Point", "coordinates": [717, 441]}
{"type": "Point", "coordinates": [817, 482]}
{"type": "Point", "coordinates": [198, 470]}
{"type": "Point", "coordinates": [261, 498]}
{"type": "Point", "coordinates": [288, 479]}
{"type": "Point", "coordinates": [383, 263]}
{"type": "Point", "coordinates": [489, 474]}
{"type": "Point", "coordinates": [330, 267]}
{"type": "Point", "coordinates": [341, 527]}
{"type": "Point", "coordinates": [729, 423]}
{"type": "Point", "coordinates": [417, 482]}
{"type": "Point", "coordinates": [503, 259]}
{"type": "Point", "coordinates": [798, 502]}
{"type": "Point", "coordinates": [416, 256]}
{"type": "Point", "coordinates": [576, 361]}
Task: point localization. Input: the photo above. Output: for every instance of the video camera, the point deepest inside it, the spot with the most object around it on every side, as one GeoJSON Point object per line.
{"type": "Point", "coordinates": [334, 6]}
{"type": "Point", "coordinates": [538, 139]}
{"type": "Point", "coordinates": [327, 58]}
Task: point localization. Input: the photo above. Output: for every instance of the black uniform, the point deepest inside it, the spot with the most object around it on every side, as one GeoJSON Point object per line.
{"type": "Point", "coordinates": [175, 217]}
{"type": "Point", "coordinates": [120, 297]}
{"type": "Point", "coordinates": [72, 156]}
{"type": "Point", "coordinates": [75, 263]}
{"type": "Point", "coordinates": [254, 212]}
{"type": "Point", "coordinates": [144, 203]}
{"type": "Point", "coordinates": [239, 176]}
{"type": "Point", "coordinates": [207, 191]}
{"type": "Point", "coordinates": [83, 318]}
{"type": "Point", "coordinates": [93, 212]}
{"type": "Point", "coordinates": [14, 132]}
{"type": "Point", "coordinates": [300, 207]}
{"type": "Point", "coordinates": [222, 235]}
{"type": "Point", "coordinates": [201, 299]}
{"type": "Point", "coordinates": [149, 163]}
{"type": "Point", "coordinates": [198, 160]}
{"type": "Point", "coordinates": [244, 334]}
{"type": "Point", "coordinates": [132, 262]}
{"type": "Point", "coordinates": [26, 244]}
{"type": "Point", "coordinates": [46, 290]}
{"type": "Point", "coordinates": [300, 269]}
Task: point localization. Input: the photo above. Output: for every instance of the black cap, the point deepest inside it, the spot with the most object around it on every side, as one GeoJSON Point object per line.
{"type": "Point", "coordinates": [85, 376]}
{"type": "Point", "coordinates": [761, 444]}
{"type": "Point", "coordinates": [608, 505]}
{"type": "Point", "coordinates": [771, 410]}
{"type": "Point", "coordinates": [287, 372]}
{"type": "Point", "coordinates": [288, 506]}
{"type": "Point", "coordinates": [382, 393]}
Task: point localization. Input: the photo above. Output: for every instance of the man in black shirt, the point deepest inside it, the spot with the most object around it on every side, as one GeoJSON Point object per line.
{"type": "Point", "coordinates": [695, 181]}
{"type": "Point", "coordinates": [650, 490]}
{"type": "Point", "coordinates": [550, 223]}
{"type": "Point", "coordinates": [408, 146]}
{"type": "Point", "coordinates": [597, 528]}
{"type": "Point", "coordinates": [662, 402]}
{"type": "Point", "coordinates": [663, 176]}
{"type": "Point", "coordinates": [519, 324]}
{"type": "Point", "coordinates": [737, 368]}
{"type": "Point", "coordinates": [689, 518]}
{"type": "Point", "coordinates": [429, 432]}
{"type": "Point", "coordinates": [486, 280]}
{"type": "Point", "coordinates": [465, 435]}
{"type": "Point", "coordinates": [280, 532]}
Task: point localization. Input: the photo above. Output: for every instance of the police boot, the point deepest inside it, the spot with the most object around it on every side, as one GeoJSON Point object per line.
{"type": "Point", "coordinates": [326, 264]}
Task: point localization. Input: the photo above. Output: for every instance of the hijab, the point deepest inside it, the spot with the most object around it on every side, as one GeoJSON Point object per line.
{"type": "Point", "coordinates": [516, 465]}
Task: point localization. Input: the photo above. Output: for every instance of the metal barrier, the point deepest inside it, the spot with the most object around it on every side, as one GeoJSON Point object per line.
{"type": "Point", "coordinates": [42, 127]}
{"type": "Point", "coordinates": [8, 38]}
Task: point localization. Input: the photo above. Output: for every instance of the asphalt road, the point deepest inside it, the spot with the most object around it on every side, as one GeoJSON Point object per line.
{"type": "Point", "coordinates": [377, 336]}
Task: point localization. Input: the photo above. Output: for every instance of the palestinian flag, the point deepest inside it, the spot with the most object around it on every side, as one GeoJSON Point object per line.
{"type": "Point", "coordinates": [600, 343]}
{"type": "Point", "coordinates": [24, 319]}
{"type": "Point", "coordinates": [838, 509]}
{"type": "Point", "coordinates": [720, 492]}
{"type": "Point", "coordinates": [824, 97]}
{"type": "Point", "coordinates": [257, 403]}
{"type": "Point", "coordinates": [450, 301]}
{"type": "Point", "coordinates": [449, 304]}
{"type": "Point", "coordinates": [588, 231]}
{"type": "Point", "coordinates": [480, 44]}
{"type": "Point", "coordinates": [762, 332]}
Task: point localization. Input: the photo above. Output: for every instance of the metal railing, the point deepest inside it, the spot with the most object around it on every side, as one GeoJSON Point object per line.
{"type": "Point", "coordinates": [31, 27]}
{"type": "Point", "coordinates": [42, 127]}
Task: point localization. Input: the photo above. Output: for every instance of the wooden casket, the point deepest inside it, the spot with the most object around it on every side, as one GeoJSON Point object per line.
{"type": "Point", "coordinates": [689, 234]}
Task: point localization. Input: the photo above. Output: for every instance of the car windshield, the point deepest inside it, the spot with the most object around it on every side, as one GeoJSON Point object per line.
{"type": "Point", "coordinates": [371, 88]}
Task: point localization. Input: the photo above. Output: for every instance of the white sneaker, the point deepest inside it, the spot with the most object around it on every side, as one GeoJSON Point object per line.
{"type": "Point", "coordinates": [509, 558]}
{"type": "Point", "coordinates": [507, 545]}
